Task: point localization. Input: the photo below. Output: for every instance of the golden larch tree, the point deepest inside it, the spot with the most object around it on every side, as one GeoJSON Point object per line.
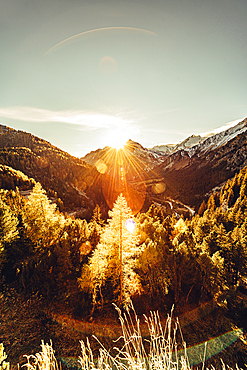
{"type": "Point", "coordinates": [110, 274]}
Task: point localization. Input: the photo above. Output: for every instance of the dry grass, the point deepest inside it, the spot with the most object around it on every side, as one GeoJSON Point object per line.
{"type": "Point", "coordinates": [4, 365]}
{"type": "Point", "coordinates": [44, 360]}
{"type": "Point", "coordinates": [160, 351]}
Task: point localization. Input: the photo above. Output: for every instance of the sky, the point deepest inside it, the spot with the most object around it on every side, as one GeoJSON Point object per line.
{"type": "Point", "coordinates": [83, 74]}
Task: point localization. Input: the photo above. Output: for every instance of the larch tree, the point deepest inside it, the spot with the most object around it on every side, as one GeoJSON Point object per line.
{"type": "Point", "coordinates": [95, 227]}
{"type": "Point", "coordinates": [110, 274]}
{"type": "Point", "coordinates": [8, 228]}
{"type": "Point", "coordinates": [44, 227]}
{"type": "Point", "coordinates": [202, 208]}
{"type": "Point", "coordinates": [152, 264]}
{"type": "Point", "coordinates": [43, 222]}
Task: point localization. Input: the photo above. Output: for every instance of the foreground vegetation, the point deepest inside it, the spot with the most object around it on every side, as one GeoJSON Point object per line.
{"type": "Point", "coordinates": [164, 260]}
{"type": "Point", "coordinates": [163, 349]}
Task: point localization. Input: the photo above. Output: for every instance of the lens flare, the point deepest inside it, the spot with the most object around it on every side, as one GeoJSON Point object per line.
{"type": "Point", "coordinates": [100, 31]}
{"type": "Point", "coordinates": [159, 187]}
{"type": "Point", "coordinates": [130, 225]}
{"type": "Point", "coordinates": [101, 166]}
{"type": "Point", "coordinates": [107, 66]}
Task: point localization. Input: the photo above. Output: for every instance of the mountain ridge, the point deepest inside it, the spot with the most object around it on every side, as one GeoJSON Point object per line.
{"type": "Point", "coordinates": [194, 140]}
{"type": "Point", "coordinates": [182, 178]}
{"type": "Point", "coordinates": [171, 148]}
{"type": "Point", "coordinates": [189, 174]}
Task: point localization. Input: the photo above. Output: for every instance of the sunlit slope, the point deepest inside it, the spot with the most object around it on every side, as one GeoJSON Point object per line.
{"type": "Point", "coordinates": [72, 179]}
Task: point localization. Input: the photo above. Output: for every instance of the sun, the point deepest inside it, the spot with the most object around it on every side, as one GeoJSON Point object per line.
{"type": "Point", "coordinates": [117, 139]}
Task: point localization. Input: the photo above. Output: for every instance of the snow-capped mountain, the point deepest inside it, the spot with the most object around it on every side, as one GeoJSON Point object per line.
{"type": "Point", "coordinates": [217, 140]}
{"type": "Point", "coordinates": [205, 140]}
{"type": "Point", "coordinates": [171, 148]}
{"type": "Point", "coordinates": [182, 176]}
{"type": "Point", "coordinates": [192, 172]}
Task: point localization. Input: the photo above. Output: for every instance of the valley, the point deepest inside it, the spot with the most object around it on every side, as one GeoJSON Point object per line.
{"type": "Point", "coordinates": [63, 222]}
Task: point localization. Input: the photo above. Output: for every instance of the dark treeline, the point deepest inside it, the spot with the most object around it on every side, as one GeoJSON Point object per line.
{"type": "Point", "coordinates": [162, 261]}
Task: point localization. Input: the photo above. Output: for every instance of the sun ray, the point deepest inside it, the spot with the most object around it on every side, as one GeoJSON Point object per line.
{"type": "Point", "coordinates": [124, 171]}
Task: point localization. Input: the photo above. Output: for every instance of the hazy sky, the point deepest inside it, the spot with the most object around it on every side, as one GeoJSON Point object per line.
{"type": "Point", "coordinates": [155, 71]}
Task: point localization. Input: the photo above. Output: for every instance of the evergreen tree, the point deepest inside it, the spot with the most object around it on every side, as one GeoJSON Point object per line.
{"type": "Point", "coordinates": [43, 222]}
{"type": "Point", "coordinates": [210, 241]}
{"type": "Point", "coordinates": [243, 188]}
{"type": "Point", "coordinates": [44, 228]}
{"type": "Point", "coordinates": [222, 194]}
{"type": "Point", "coordinates": [110, 273]}
{"type": "Point", "coordinates": [16, 252]}
{"type": "Point", "coordinates": [182, 263]}
{"type": "Point", "coordinates": [202, 226]}
{"type": "Point", "coordinates": [95, 227]}
{"type": "Point", "coordinates": [8, 228]}
{"type": "Point", "coordinates": [76, 240]}
{"type": "Point", "coordinates": [211, 273]}
{"type": "Point", "coordinates": [238, 253]}
{"type": "Point", "coordinates": [211, 203]}
{"type": "Point", "coordinates": [152, 264]}
{"type": "Point", "coordinates": [97, 216]}
{"type": "Point", "coordinates": [226, 251]}
{"type": "Point", "coordinates": [202, 208]}
{"type": "Point", "coordinates": [230, 198]}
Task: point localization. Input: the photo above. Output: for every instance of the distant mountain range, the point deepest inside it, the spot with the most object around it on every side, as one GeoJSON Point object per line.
{"type": "Point", "coordinates": [171, 148]}
{"type": "Point", "coordinates": [195, 139]}
{"type": "Point", "coordinates": [176, 177]}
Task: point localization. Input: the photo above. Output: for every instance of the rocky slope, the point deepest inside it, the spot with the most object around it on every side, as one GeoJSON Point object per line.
{"type": "Point", "coordinates": [172, 148]}
{"type": "Point", "coordinates": [193, 172]}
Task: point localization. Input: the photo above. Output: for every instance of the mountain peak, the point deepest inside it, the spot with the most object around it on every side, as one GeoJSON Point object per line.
{"type": "Point", "coordinates": [208, 138]}
{"type": "Point", "coordinates": [171, 148]}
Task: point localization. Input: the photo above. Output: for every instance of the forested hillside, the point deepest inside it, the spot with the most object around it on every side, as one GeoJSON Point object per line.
{"type": "Point", "coordinates": [165, 260]}
{"type": "Point", "coordinates": [11, 178]}
{"type": "Point", "coordinates": [75, 182]}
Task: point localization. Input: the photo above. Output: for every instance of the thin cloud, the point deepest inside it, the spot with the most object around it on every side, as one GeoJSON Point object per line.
{"type": "Point", "coordinates": [164, 111]}
{"type": "Point", "coordinates": [87, 120]}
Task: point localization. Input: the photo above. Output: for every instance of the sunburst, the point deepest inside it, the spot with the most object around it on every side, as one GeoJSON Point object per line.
{"type": "Point", "coordinates": [117, 138]}
{"type": "Point", "coordinates": [124, 172]}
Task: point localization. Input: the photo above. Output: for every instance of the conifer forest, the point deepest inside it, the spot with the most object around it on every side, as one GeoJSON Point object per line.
{"type": "Point", "coordinates": [163, 260]}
